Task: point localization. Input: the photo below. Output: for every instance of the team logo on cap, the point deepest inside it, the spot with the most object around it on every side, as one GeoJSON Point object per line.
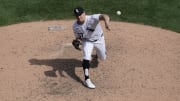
{"type": "Point", "coordinates": [77, 11]}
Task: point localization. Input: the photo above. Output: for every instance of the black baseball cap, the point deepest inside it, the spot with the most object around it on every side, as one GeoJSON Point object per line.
{"type": "Point", "coordinates": [78, 11]}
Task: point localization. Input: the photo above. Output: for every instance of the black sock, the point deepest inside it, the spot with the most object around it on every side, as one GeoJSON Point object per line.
{"type": "Point", "coordinates": [86, 77]}
{"type": "Point", "coordinates": [86, 69]}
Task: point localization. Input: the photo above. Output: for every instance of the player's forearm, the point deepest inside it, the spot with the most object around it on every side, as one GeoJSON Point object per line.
{"type": "Point", "coordinates": [106, 20]}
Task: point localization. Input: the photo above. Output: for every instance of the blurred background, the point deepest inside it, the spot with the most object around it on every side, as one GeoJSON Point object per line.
{"type": "Point", "coordinates": [159, 13]}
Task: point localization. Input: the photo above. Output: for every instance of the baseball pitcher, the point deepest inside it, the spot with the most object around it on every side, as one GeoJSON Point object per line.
{"type": "Point", "coordinates": [88, 33]}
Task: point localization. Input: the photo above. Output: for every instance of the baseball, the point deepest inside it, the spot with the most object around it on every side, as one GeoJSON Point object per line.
{"type": "Point", "coordinates": [118, 12]}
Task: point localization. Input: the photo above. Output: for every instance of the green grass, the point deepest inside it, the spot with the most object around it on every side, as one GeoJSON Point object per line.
{"type": "Point", "coordinates": [160, 13]}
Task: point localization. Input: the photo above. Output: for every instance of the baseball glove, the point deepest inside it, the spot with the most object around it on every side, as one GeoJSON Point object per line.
{"type": "Point", "coordinates": [76, 43]}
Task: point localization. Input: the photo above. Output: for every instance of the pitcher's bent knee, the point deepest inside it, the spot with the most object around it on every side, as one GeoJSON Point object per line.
{"type": "Point", "coordinates": [103, 58]}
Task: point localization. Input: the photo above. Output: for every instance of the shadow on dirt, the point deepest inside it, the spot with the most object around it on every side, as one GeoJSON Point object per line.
{"type": "Point", "coordinates": [63, 65]}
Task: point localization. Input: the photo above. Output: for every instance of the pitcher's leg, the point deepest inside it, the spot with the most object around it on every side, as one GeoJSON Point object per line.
{"type": "Point", "coordinates": [101, 50]}
{"type": "Point", "coordinates": [87, 51]}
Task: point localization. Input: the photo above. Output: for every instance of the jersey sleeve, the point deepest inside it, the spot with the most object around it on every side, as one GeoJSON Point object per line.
{"type": "Point", "coordinates": [96, 16]}
{"type": "Point", "coordinates": [76, 35]}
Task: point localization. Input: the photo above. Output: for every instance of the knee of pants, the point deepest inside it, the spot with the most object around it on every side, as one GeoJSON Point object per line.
{"type": "Point", "coordinates": [103, 58]}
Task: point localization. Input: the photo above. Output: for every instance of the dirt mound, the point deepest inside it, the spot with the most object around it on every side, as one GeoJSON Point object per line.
{"type": "Point", "coordinates": [36, 64]}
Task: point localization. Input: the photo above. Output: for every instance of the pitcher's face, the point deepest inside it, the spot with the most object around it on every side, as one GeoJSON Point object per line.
{"type": "Point", "coordinates": [81, 18]}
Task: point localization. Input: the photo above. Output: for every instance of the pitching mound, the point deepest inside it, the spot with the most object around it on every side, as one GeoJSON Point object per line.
{"type": "Point", "coordinates": [38, 64]}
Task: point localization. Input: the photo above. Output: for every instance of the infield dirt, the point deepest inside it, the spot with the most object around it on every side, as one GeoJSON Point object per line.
{"type": "Point", "coordinates": [143, 64]}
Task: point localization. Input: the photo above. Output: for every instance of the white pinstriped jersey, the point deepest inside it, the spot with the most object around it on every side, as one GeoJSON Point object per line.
{"type": "Point", "coordinates": [90, 30]}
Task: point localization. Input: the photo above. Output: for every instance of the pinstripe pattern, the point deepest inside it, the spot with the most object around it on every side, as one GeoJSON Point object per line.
{"type": "Point", "coordinates": [91, 29]}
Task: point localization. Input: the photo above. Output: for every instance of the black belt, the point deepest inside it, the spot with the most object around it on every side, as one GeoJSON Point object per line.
{"type": "Point", "coordinates": [97, 39]}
